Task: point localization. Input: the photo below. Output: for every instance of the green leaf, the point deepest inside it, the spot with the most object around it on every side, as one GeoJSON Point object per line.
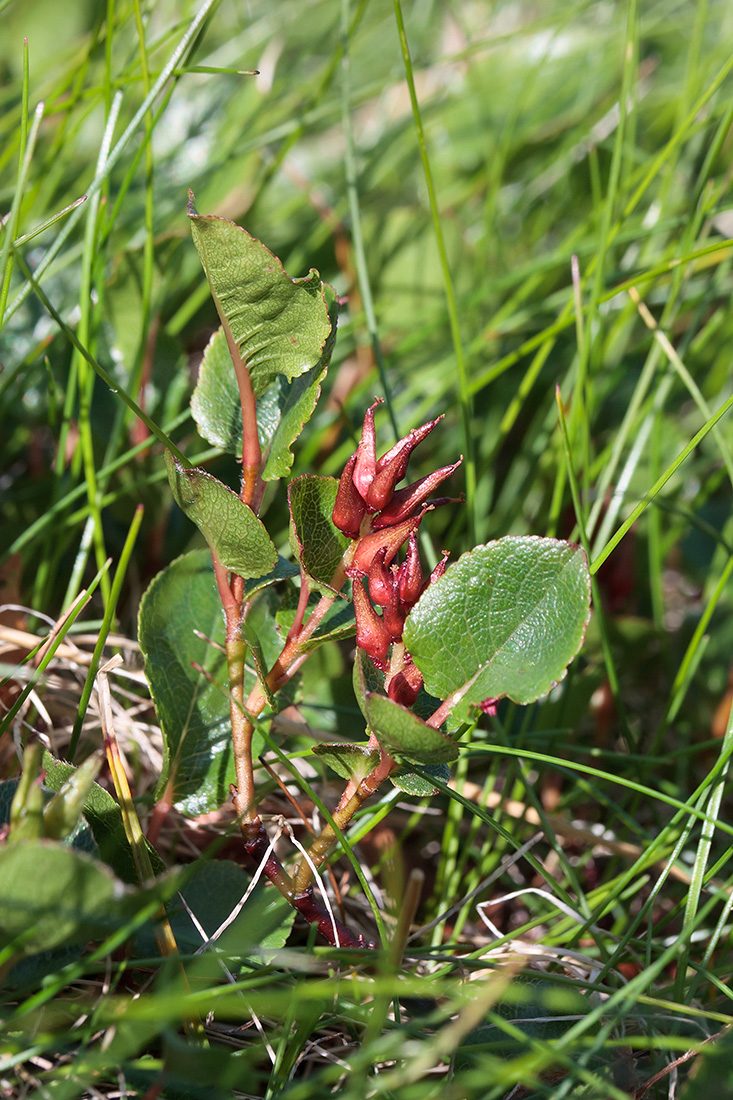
{"type": "Point", "coordinates": [282, 410]}
{"type": "Point", "coordinates": [418, 785]}
{"type": "Point", "coordinates": [284, 571]}
{"type": "Point", "coordinates": [349, 761]}
{"type": "Point", "coordinates": [506, 619]}
{"type": "Point", "coordinates": [318, 545]}
{"type": "Point", "coordinates": [52, 894]}
{"type": "Point", "coordinates": [279, 324]}
{"type": "Point", "coordinates": [338, 623]}
{"type": "Point", "coordinates": [366, 677]}
{"type": "Point", "coordinates": [232, 530]}
{"type": "Point", "coordinates": [180, 623]}
{"type": "Point", "coordinates": [104, 818]}
{"type": "Point", "coordinates": [212, 893]}
{"type": "Point", "coordinates": [262, 633]}
{"type": "Point", "coordinates": [404, 735]}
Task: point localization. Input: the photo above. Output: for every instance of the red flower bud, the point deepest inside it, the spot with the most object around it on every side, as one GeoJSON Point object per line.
{"type": "Point", "coordinates": [349, 509]}
{"type": "Point", "coordinates": [391, 538]}
{"type": "Point", "coordinates": [394, 616]}
{"type": "Point", "coordinates": [371, 633]}
{"type": "Point", "coordinates": [382, 580]}
{"type": "Point", "coordinates": [405, 446]}
{"type": "Point", "coordinates": [439, 570]}
{"type": "Point", "coordinates": [405, 686]}
{"type": "Point", "coordinates": [366, 453]}
{"type": "Point", "coordinates": [381, 489]}
{"type": "Point", "coordinates": [406, 500]}
{"type": "Point", "coordinates": [410, 574]}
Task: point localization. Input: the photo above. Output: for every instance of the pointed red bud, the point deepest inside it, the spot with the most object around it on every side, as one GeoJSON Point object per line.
{"type": "Point", "coordinates": [391, 538]}
{"type": "Point", "coordinates": [410, 574]}
{"type": "Point", "coordinates": [408, 499]}
{"type": "Point", "coordinates": [405, 686]}
{"type": "Point", "coordinates": [439, 570]}
{"type": "Point", "coordinates": [371, 633]}
{"type": "Point", "coordinates": [390, 468]}
{"type": "Point", "coordinates": [349, 509]}
{"type": "Point", "coordinates": [394, 616]}
{"type": "Point", "coordinates": [405, 446]}
{"type": "Point", "coordinates": [489, 706]}
{"type": "Point", "coordinates": [382, 580]}
{"type": "Point", "coordinates": [381, 489]}
{"type": "Point", "coordinates": [366, 454]}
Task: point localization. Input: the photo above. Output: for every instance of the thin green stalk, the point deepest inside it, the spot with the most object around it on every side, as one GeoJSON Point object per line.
{"type": "Point", "coordinates": [702, 856]}
{"type": "Point", "coordinates": [613, 678]}
{"type": "Point", "coordinates": [84, 378]}
{"type": "Point", "coordinates": [106, 378]}
{"type": "Point", "coordinates": [658, 486]}
{"type": "Point", "coordinates": [360, 260]}
{"type": "Point", "coordinates": [109, 614]}
{"type": "Point", "coordinates": [464, 391]}
{"type": "Point", "coordinates": [43, 522]}
{"type": "Point", "coordinates": [182, 50]}
{"type": "Point", "coordinates": [146, 289]}
{"type": "Point", "coordinates": [70, 617]}
{"type": "Point", "coordinates": [27, 148]}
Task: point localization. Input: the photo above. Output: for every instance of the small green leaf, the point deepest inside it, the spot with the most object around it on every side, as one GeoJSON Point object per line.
{"type": "Point", "coordinates": [318, 545]}
{"type": "Point", "coordinates": [279, 324]}
{"type": "Point", "coordinates": [282, 410]}
{"type": "Point", "coordinates": [52, 894]}
{"type": "Point", "coordinates": [104, 818]}
{"type": "Point", "coordinates": [418, 785]}
{"type": "Point", "coordinates": [215, 403]}
{"type": "Point", "coordinates": [291, 406]}
{"type": "Point", "coordinates": [338, 623]}
{"type": "Point", "coordinates": [261, 632]}
{"type": "Point", "coordinates": [506, 619]}
{"type": "Point", "coordinates": [349, 761]}
{"type": "Point", "coordinates": [404, 735]}
{"type": "Point", "coordinates": [212, 893]}
{"type": "Point", "coordinates": [61, 815]}
{"type": "Point", "coordinates": [284, 571]}
{"type": "Point", "coordinates": [232, 530]}
{"type": "Point", "coordinates": [366, 677]}
{"type": "Point", "coordinates": [181, 624]}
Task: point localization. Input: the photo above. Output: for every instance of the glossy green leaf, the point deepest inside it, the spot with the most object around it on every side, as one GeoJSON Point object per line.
{"type": "Point", "coordinates": [318, 545]}
{"type": "Point", "coordinates": [279, 324]}
{"type": "Point", "coordinates": [404, 735]}
{"type": "Point", "coordinates": [506, 619]}
{"type": "Point", "coordinates": [349, 761]}
{"type": "Point", "coordinates": [282, 410]}
{"type": "Point", "coordinates": [417, 785]}
{"type": "Point", "coordinates": [232, 530]}
{"type": "Point", "coordinates": [52, 894]}
{"type": "Point", "coordinates": [181, 624]}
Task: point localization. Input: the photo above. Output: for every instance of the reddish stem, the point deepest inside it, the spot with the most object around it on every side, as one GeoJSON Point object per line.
{"type": "Point", "coordinates": [252, 488]}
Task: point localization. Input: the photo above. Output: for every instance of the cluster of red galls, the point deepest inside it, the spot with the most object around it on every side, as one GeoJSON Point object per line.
{"type": "Point", "coordinates": [382, 518]}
